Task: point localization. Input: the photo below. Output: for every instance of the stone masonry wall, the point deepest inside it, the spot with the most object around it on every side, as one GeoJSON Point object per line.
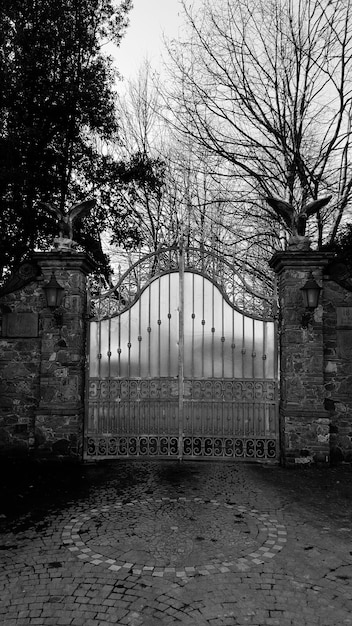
{"type": "Point", "coordinates": [20, 348]}
{"type": "Point", "coordinates": [303, 418]}
{"type": "Point", "coordinates": [42, 360]}
{"type": "Point", "coordinates": [338, 368]}
{"type": "Point", "coordinates": [316, 361]}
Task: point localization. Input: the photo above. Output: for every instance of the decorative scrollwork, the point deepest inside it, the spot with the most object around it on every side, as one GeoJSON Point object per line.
{"type": "Point", "coordinates": [166, 445]}
{"type": "Point", "coordinates": [238, 390]}
{"type": "Point", "coordinates": [270, 389]}
{"type": "Point", "coordinates": [104, 389]}
{"type": "Point", "coordinates": [187, 446]}
{"type": "Point", "coordinates": [207, 389]}
{"type": "Point", "coordinates": [208, 447]}
{"type": "Point", "coordinates": [218, 447]}
{"type": "Point", "coordinates": [250, 448]}
{"type": "Point", "coordinates": [228, 390]}
{"type": "Point", "coordinates": [248, 390]}
{"type": "Point", "coordinates": [229, 446]}
{"type": "Point", "coordinates": [154, 388]}
{"type": "Point", "coordinates": [102, 447]}
{"type": "Point", "coordinates": [173, 445]}
{"type": "Point", "coordinates": [218, 390]}
{"type": "Point", "coordinates": [114, 389]}
{"type": "Point", "coordinates": [125, 389]}
{"type": "Point", "coordinates": [260, 449]}
{"type": "Point", "coordinates": [91, 449]}
{"type": "Point", "coordinates": [143, 446]}
{"type": "Point", "coordinates": [93, 389]}
{"type": "Point", "coordinates": [259, 390]}
{"type": "Point", "coordinates": [123, 447]}
{"type": "Point", "coordinates": [197, 446]}
{"type": "Point", "coordinates": [153, 446]}
{"type": "Point", "coordinates": [195, 389]}
{"type": "Point", "coordinates": [134, 389]}
{"type": "Point", "coordinates": [132, 446]}
{"type": "Point", "coordinates": [239, 447]}
{"type": "Point", "coordinates": [112, 446]}
{"type": "Point", "coordinates": [271, 449]}
{"type": "Point", "coordinates": [145, 269]}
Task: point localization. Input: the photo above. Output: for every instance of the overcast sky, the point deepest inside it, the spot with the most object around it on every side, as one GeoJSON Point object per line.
{"type": "Point", "coordinates": [149, 21]}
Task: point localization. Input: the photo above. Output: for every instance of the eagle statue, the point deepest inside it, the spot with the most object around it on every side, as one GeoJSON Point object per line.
{"type": "Point", "coordinates": [67, 219]}
{"type": "Point", "coordinates": [296, 222]}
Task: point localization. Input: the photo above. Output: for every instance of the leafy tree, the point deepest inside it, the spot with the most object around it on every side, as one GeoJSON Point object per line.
{"type": "Point", "coordinates": [57, 97]}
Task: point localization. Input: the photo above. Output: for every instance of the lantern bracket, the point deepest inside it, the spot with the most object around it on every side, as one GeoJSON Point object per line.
{"type": "Point", "coordinates": [310, 294]}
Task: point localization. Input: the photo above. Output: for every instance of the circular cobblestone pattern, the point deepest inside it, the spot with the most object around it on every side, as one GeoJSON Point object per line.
{"type": "Point", "coordinates": [174, 536]}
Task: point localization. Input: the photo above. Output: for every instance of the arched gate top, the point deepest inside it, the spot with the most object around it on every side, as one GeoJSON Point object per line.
{"type": "Point", "coordinates": [237, 289]}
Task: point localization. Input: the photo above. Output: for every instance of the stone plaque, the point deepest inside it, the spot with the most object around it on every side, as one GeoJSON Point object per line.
{"type": "Point", "coordinates": [20, 325]}
{"type": "Point", "coordinates": [344, 344]}
{"type": "Point", "coordinates": [344, 316]}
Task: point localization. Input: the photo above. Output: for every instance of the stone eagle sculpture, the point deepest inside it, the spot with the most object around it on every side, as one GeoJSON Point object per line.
{"type": "Point", "coordinates": [296, 221]}
{"type": "Point", "coordinates": [68, 218]}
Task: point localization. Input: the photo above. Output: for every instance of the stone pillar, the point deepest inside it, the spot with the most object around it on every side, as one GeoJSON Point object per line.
{"type": "Point", "coordinates": [60, 414]}
{"type": "Point", "coordinates": [304, 422]}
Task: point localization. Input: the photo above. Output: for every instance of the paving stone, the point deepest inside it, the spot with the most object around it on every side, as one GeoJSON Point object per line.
{"type": "Point", "coordinates": [192, 544]}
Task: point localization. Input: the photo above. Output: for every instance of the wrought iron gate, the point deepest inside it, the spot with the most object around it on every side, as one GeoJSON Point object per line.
{"type": "Point", "coordinates": [176, 369]}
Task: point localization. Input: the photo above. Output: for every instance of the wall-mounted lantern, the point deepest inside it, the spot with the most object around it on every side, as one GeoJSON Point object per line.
{"type": "Point", "coordinates": [310, 293]}
{"type": "Point", "coordinates": [54, 294]}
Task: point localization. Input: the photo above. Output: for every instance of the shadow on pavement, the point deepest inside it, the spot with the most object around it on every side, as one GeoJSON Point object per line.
{"type": "Point", "coordinates": [29, 491]}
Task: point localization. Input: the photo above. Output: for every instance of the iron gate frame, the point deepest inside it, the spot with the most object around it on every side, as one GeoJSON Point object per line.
{"type": "Point", "coordinates": [100, 446]}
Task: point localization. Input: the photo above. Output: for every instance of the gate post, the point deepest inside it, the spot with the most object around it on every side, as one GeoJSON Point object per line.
{"type": "Point", "coordinates": [60, 414]}
{"type": "Point", "coordinates": [304, 423]}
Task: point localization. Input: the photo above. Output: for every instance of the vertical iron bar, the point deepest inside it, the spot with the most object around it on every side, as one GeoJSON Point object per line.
{"type": "Point", "coordinates": [159, 320]}
{"type": "Point", "coordinates": [263, 404]}
{"type": "Point", "coordinates": [99, 332]}
{"type": "Point", "coordinates": [223, 338]}
{"type": "Point", "coordinates": [140, 338]}
{"type": "Point", "coordinates": [191, 401]}
{"type": "Point", "coordinates": [129, 325]}
{"type": "Point", "coordinates": [193, 318]}
{"type": "Point", "coordinates": [129, 399]}
{"type": "Point", "coordinates": [203, 323]}
{"type": "Point", "coordinates": [169, 318]}
{"type": "Point", "coordinates": [119, 347]}
{"type": "Point", "coordinates": [148, 405]}
{"type": "Point", "coordinates": [253, 348]}
{"type": "Point", "coordinates": [97, 414]}
{"type": "Point", "coordinates": [212, 329]}
{"type": "Point", "coordinates": [118, 405]}
{"type": "Point", "coordinates": [149, 330]}
{"type": "Point", "coordinates": [119, 325]}
{"type": "Point", "coordinates": [109, 415]}
{"type": "Point", "coordinates": [139, 341]}
{"type": "Point", "coordinates": [233, 346]}
{"type": "Point", "coordinates": [243, 345]}
{"type": "Point", "coordinates": [265, 339]}
{"type": "Point", "coordinates": [86, 422]}
{"type": "Point", "coordinates": [276, 363]}
{"type": "Point", "coordinates": [181, 351]}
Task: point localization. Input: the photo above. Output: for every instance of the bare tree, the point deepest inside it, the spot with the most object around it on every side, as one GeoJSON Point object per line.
{"type": "Point", "coordinates": [142, 145]}
{"type": "Point", "coordinates": [266, 87]}
{"type": "Point", "coordinates": [195, 194]}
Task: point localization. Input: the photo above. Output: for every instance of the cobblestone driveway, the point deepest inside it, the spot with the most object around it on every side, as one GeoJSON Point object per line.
{"type": "Point", "coordinates": [160, 543]}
